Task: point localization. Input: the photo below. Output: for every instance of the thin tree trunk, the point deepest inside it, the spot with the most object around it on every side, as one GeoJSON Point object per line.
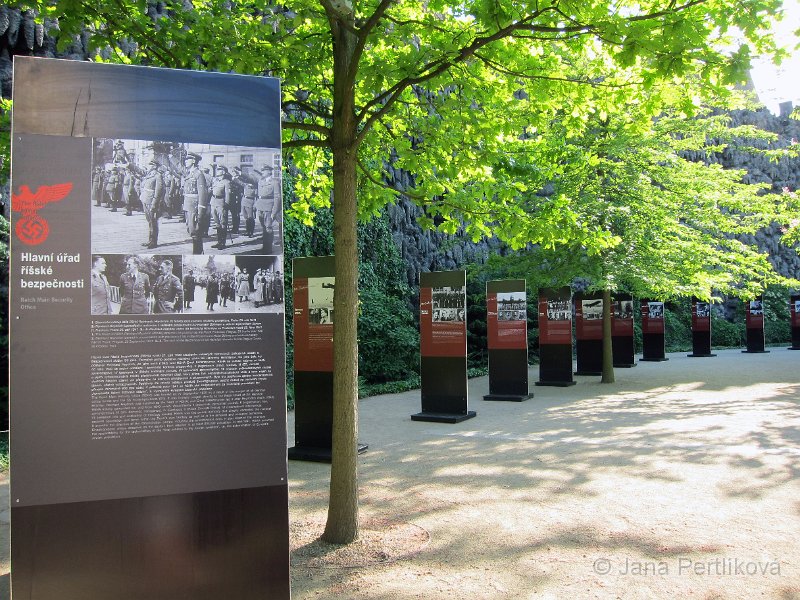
{"type": "Point", "coordinates": [608, 353]}
{"type": "Point", "coordinates": [342, 524]}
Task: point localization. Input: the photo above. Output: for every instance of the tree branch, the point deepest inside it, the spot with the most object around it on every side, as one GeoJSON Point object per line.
{"type": "Point", "coordinates": [306, 144]}
{"type": "Point", "coordinates": [322, 130]}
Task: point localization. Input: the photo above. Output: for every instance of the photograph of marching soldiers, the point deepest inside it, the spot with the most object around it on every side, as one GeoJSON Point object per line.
{"type": "Point", "coordinates": [185, 198]}
{"type": "Point", "coordinates": [258, 284]}
{"type": "Point", "coordinates": [623, 309]}
{"type": "Point", "coordinates": [559, 310]}
{"type": "Point", "coordinates": [511, 306]}
{"type": "Point", "coordinates": [133, 284]}
{"type": "Point", "coordinates": [592, 309]}
{"type": "Point", "coordinates": [320, 300]}
{"type": "Point", "coordinates": [208, 284]}
{"type": "Point", "coordinates": [447, 304]}
{"type": "Point", "coordinates": [655, 310]}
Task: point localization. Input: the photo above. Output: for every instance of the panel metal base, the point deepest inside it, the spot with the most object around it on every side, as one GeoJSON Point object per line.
{"type": "Point", "coordinates": [507, 397]}
{"type": "Point", "coordinates": [653, 359]}
{"type": "Point", "coordinates": [695, 355]}
{"type": "Point", "coordinates": [793, 348]}
{"type": "Point", "coordinates": [589, 373]}
{"type": "Point", "coordinates": [755, 351]}
{"type": "Point", "coordinates": [442, 417]}
{"type": "Point", "coordinates": [312, 454]}
{"type": "Point", "coordinates": [625, 366]}
{"type": "Point", "coordinates": [557, 383]}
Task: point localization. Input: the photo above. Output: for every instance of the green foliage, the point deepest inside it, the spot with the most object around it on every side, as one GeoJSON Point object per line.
{"type": "Point", "coordinates": [4, 458]}
{"type": "Point", "coordinates": [388, 344]}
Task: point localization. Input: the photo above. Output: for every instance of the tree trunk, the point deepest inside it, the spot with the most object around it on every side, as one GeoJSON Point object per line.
{"type": "Point", "coordinates": [342, 524]}
{"type": "Point", "coordinates": [608, 353]}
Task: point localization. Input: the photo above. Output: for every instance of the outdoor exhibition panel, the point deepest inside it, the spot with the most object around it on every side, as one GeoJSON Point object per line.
{"type": "Point", "coordinates": [754, 326]}
{"type": "Point", "coordinates": [589, 333]}
{"type": "Point", "coordinates": [313, 284]}
{"type": "Point", "coordinates": [653, 344]}
{"type": "Point", "coordinates": [622, 341]}
{"type": "Point", "coordinates": [507, 333]}
{"type": "Point", "coordinates": [149, 433]}
{"type": "Point", "coordinates": [701, 329]}
{"type": "Point", "coordinates": [794, 312]}
{"type": "Point", "coordinates": [555, 337]}
{"type": "Point", "coordinates": [443, 347]}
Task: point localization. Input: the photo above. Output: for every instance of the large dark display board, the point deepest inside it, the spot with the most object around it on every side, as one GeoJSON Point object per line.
{"type": "Point", "coordinates": [754, 326]}
{"type": "Point", "coordinates": [149, 426]}
{"type": "Point", "coordinates": [507, 337]}
{"type": "Point", "coordinates": [653, 331]}
{"type": "Point", "coordinates": [443, 347]}
{"type": "Point", "coordinates": [555, 337]}
{"type": "Point", "coordinates": [701, 329]}
{"type": "Point", "coordinates": [794, 312]}
{"type": "Point", "coordinates": [622, 341]}
{"type": "Point", "coordinates": [589, 333]}
{"type": "Point", "coordinates": [313, 283]}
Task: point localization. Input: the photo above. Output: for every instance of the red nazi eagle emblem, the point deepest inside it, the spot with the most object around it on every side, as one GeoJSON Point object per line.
{"type": "Point", "coordinates": [31, 228]}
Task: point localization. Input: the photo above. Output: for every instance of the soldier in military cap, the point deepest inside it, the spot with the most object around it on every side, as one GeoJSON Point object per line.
{"type": "Point", "coordinates": [237, 191]}
{"type": "Point", "coordinates": [195, 201]}
{"type": "Point", "coordinates": [113, 188]}
{"type": "Point", "coordinates": [220, 200]}
{"type": "Point", "coordinates": [97, 185]}
{"type": "Point", "coordinates": [151, 193]}
{"type": "Point", "coordinates": [135, 288]}
{"type": "Point", "coordinates": [268, 205]}
{"type": "Point", "coordinates": [248, 211]}
{"type": "Point", "coordinates": [168, 291]}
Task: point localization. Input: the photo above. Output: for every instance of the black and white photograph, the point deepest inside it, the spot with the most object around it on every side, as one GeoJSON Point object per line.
{"type": "Point", "coordinates": [136, 284]}
{"type": "Point", "coordinates": [703, 309]}
{"type": "Point", "coordinates": [208, 283]}
{"type": "Point", "coordinates": [623, 309]}
{"type": "Point", "coordinates": [756, 307]}
{"type": "Point", "coordinates": [511, 306]}
{"type": "Point", "coordinates": [592, 309]}
{"type": "Point", "coordinates": [185, 198]}
{"type": "Point", "coordinates": [655, 310]}
{"type": "Point", "coordinates": [258, 284]}
{"type": "Point", "coordinates": [320, 300]}
{"type": "Point", "coordinates": [559, 310]}
{"type": "Point", "coordinates": [447, 305]}
{"type": "Point", "coordinates": [797, 307]}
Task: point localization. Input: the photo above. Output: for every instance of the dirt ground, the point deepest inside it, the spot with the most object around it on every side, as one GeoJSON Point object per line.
{"type": "Point", "coordinates": [681, 480]}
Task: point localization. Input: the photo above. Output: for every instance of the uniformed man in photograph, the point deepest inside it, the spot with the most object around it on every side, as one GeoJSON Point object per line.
{"type": "Point", "coordinates": [135, 290]}
{"type": "Point", "coordinates": [113, 188]}
{"type": "Point", "coordinates": [220, 200]}
{"type": "Point", "coordinates": [151, 193]}
{"type": "Point", "coordinates": [268, 204]}
{"type": "Point", "coordinates": [98, 181]}
{"type": "Point", "coordinates": [235, 206]}
{"type": "Point", "coordinates": [248, 211]}
{"type": "Point", "coordinates": [168, 291]}
{"type": "Point", "coordinates": [101, 290]}
{"type": "Point", "coordinates": [195, 201]}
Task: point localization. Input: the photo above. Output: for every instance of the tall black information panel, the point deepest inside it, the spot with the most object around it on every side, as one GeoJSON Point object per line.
{"type": "Point", "coordinates": [555, 337]}
{"type": "Point", "coordinates": [507, 332]}
{"type": "Point", "coordinates": [701, 329]}
{"type": "Point", "coordinates": [794, 312]}
{"type": "Point", "coordinates": [754, 326]}
{"type": "Point", "coordinates": [149, 424]}
{"type": "Point", "coordinates": [622, 339]}
{"type": "Point", "coordinates": [589, 333]}
{"type": "Point", "coordinates": [313, 284]}
{"type": "Point", "coordinates": [443, 347]}
{"type": "Point", "coordinates": [653, 331]}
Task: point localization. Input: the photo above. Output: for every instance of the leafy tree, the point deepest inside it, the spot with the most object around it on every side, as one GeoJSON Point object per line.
{"type": "Point", "coordinates": [439, 89]}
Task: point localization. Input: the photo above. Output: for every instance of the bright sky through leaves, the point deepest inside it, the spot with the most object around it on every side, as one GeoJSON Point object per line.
{"type": "Point", "coordinates": [776, 84]}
